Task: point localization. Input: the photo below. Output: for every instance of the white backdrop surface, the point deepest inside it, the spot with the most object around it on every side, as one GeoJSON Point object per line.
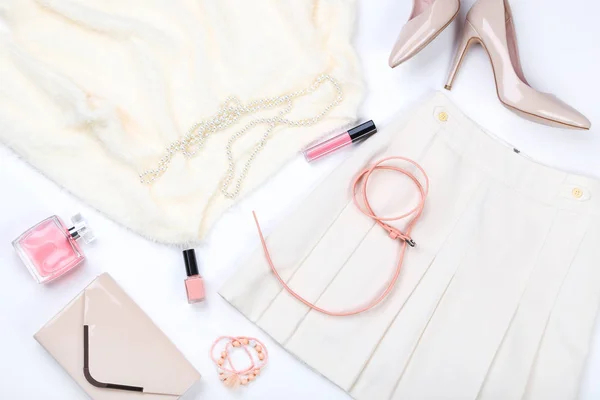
{"type": "Point", "coordinates": [560, 54]}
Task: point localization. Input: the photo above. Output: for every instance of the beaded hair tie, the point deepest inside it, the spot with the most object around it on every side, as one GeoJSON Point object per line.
{"type": "Point", "coordinates": [231, 376]}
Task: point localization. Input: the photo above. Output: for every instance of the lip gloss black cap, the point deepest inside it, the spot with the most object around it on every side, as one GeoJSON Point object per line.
{"type": "Point", "coordinates": [191, 265]}
{"type": "Point", "coordinates": [362, 131]}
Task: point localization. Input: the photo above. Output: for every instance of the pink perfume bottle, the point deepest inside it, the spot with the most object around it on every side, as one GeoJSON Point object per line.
{"type": "Point", "coordinates": [50, 249]}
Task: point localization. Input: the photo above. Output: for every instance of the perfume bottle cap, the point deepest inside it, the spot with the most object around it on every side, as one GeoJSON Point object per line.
{"type": "Point", "coordinates": [191, 265]}
{"type": "Point", "coordinates": [80, 229]}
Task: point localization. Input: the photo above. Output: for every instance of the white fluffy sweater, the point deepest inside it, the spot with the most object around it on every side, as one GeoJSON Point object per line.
{"type": "Point", "coordinates": [92, 92]}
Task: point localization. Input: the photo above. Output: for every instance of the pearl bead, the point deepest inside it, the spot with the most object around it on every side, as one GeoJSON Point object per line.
{"type": "Point", "coordinates": [244, 341]}
{"type": "Point", "coordinates": [256, 372]}
{"type": "Point", "coordinates": [224, 354]}
{"type": "Point", "coordinates": [258, 348]}
{"type": "Point", "coordinates": [221, 362]}
{"type": "Point", "coordinates": [251, 377]}
{"type": "Point", "coordinates": [244, 381]}
{"type": "Point", "coordinates": [261, 356]}
{"type": "Point", "coordinates": [236, 343]}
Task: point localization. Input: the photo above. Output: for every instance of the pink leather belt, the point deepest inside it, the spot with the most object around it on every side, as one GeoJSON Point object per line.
{"type": "Point", "coordinates": [361, 201]}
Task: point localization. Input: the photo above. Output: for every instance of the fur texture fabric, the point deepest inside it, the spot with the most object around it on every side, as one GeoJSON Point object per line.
{"type": "Point", "coordinates": [93, 92]}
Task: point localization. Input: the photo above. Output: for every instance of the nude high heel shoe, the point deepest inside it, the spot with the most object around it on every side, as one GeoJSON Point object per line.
{"type": "Point", "coordinates": [427, 20]}
{"type": "Point", "coordinates": [490, 23]}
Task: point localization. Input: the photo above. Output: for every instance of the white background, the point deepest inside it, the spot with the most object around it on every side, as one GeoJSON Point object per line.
{"type": "Point", "coordinates": [560, 54]}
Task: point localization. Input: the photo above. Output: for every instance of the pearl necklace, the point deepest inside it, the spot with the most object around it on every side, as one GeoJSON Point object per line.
{"type": "Point", "coordinates": [230, 113]}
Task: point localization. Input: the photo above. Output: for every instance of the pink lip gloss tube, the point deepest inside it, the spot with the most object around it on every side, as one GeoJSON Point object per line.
{"type": "Point", "coordinates": [361, 132]}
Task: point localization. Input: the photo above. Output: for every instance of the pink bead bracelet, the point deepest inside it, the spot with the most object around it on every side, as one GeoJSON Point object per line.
{"type": "Point", "coordinates": [231, 376]}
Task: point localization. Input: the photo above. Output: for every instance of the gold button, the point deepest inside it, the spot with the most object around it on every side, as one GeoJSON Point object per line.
{"type": "Point", "coordinates": [577, 193]}
{"type": "Point", "coordinates": [443, 116]}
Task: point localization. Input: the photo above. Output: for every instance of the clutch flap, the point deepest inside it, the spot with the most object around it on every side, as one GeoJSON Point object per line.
{"type": "Point", "coordinates": [124, 350]}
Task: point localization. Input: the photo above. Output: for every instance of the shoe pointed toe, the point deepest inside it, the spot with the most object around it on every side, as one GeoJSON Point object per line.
{"type": "Point", "coordinates": [578, 121]}
{"type": "Point", "coordinates": [422, 29]}
{"type": "Point", "coordinates": [562, 113]}
{"type": "Point", "coordinates": [400, 53]}
{"type": "Point", "coordinates": [585, 124]}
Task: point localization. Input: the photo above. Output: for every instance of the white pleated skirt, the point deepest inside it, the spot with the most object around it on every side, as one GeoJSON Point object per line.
{"type": "Point", "coordinates": [498, 300]}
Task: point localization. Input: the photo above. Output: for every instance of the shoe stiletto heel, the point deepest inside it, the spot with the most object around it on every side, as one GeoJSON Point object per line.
{"type": "Point", "coordinates": [490, 23]}
{"type": "Point", "coordinates": [469, 36]}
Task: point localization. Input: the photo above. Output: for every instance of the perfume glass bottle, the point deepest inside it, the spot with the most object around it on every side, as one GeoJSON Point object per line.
{"type": "Point", "coordinates": [50, 249]}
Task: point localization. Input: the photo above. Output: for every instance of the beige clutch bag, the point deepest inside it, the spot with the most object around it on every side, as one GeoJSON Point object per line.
{"type": "Point", "coordinates": [112, 349]}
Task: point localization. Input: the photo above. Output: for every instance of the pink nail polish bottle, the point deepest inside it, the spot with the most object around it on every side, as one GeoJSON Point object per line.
{"type": "Point", "coordinates": [194, 285]}
{"type": "Point", "coordinates": [50, 249]}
